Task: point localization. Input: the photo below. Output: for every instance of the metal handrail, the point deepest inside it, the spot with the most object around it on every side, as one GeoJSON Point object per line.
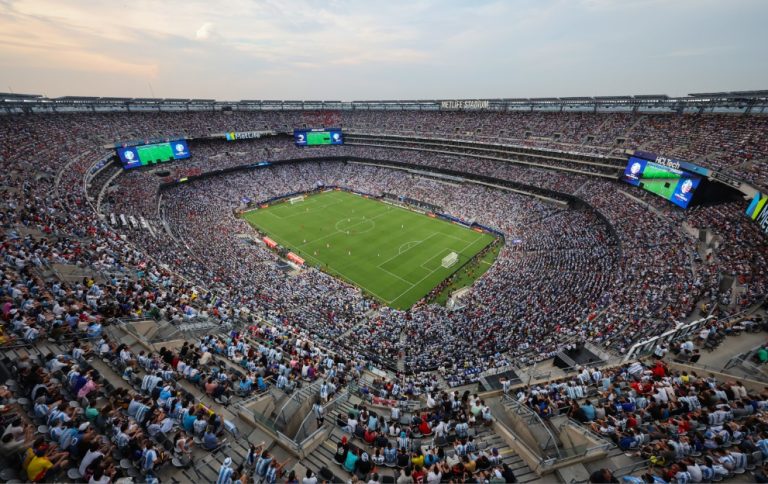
{"type": "Point", "coordinates": [525, 409]}
{"type": "Point", "coordinates": [629, 469]}
{"type": "Point", "coordinates": [741, 358]}
{"type": "Point", "coordinates": [343, 394]}
{"type": "Point", "coordinates": [643, 348]}
{"type": "Point", "coordinates": [288, 441]}
{"type": "Point", "coordinates": [306, 394]}
{"type": "Point", "coordinates": [311, 436]}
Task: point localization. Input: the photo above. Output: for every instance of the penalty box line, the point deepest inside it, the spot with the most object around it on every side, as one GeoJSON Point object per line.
{"type": "Point", "coordinates": [435, 270]}
{"type": "Point", "coordinates": [460, 253]}
{"type": "Point", "coordinates": [306, 204]}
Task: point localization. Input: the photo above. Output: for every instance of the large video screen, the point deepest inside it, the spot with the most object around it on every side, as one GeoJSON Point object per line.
{"type": "Point", "coordinates": [315, 137]}
{"type": "Point", "coordinates": [677, 186]}
{"type": "Point", "coordinates": [152, 154]}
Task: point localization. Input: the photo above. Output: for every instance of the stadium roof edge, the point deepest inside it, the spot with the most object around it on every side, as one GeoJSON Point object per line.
{"type": "Point", "coordinates": [11, 102]}
{"type": "Point", "coordinates": [13, 95]}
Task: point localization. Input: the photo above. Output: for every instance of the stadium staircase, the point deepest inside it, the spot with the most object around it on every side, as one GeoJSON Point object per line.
{"type": "Point", "coordinates": [559, 446]}
{"type": "Point", "coordinates": [323, 456]}
{"type": "Point", "coordinates": [205, 465]}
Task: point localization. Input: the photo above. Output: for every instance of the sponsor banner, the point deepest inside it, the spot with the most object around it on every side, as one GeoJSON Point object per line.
{"type": "Point", "coordinates": [756, 206]}
{"type": "Point", "coordinates": [673, 163]}
{"type": "Point", "coordinates": [758, 211]}
{"type": "Point", "coordinates": [477, 230]}
{"type": "Point", "coordinates": [238, 135]}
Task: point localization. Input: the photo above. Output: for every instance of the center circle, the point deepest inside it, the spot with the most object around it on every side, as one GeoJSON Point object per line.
{"type": "Point", "coordinates": [355, 225]}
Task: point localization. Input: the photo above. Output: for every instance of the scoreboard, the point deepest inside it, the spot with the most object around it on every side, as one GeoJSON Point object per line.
{"type": "Point", "coordinates": [151, 154]}
{"type": "Point", "coordinates": [677, 186]}
{"type": "Point", "coordinates": [315, 137]}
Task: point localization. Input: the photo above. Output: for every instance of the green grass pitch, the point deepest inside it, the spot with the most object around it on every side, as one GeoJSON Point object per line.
{"type": "Point", "coordinates": [391, 253]}
{"type": "Point", "coordinates": [664, 187]}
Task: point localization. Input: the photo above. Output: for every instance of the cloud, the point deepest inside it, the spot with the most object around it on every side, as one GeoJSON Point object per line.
{"type": "Point", "coordinates": [205, 31]}
{"type": "Point", "coordinates": [348, 49]}
{"type": "Point", "coordinates": [37, 41]}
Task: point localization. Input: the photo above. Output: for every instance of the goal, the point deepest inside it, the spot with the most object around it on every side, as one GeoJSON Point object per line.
{"type": "Point", "coordinates": [295, 200]}
{"type": "Point", "coordinates": [450, 259]}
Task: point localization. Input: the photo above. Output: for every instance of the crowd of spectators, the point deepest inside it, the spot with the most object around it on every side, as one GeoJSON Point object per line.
{"type": "Point", "coordinates": [733, 143]}
{"type": "Point", "coordinates": [609, 273]}
{"type": "Point", "coordinates": [688, 427]}
{"type": "Point", "coordinates": [614, 291]}
{"type": "Point", "coordinates": [637, 270]}
{"type": "Point", "coordinates": [439, 443]}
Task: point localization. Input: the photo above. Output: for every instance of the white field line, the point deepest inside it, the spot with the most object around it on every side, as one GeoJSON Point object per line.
{"type": "Point", "coordinates": [432, 272]}
{"type": "Point", "coordinates": [395, 275]}
{"type": "Point", "coordinates": [342, 275]}
{"type": "Point", "coordinates": [306, 204]}
{"type": "Point", "coordinates": [406, 250]}
{"type": "Point", "coordinates": [341, 231]}
{"type": "Point", "coordinates": [362, 286]}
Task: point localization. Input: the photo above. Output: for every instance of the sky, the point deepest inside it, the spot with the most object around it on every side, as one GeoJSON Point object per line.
{"type": "Point", "coordinates": [368, 50]}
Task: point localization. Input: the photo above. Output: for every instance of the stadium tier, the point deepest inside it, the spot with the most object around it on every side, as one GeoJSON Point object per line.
{"type": "Point", "coordinates": [294, 289]}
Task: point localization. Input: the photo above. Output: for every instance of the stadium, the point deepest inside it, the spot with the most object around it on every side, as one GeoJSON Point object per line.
{"type": "Point", "coordinates": [547, 289]}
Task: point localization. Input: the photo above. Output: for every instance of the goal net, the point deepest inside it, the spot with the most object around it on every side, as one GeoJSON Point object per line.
{"type": "Point", "coordinates": [450, 259]}
{"type": "Point", "coordinates": [294, 200]}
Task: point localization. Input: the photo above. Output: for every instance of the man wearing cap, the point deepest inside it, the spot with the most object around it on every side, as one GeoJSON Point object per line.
{"type": "Point", "coordinates": [225, 472]}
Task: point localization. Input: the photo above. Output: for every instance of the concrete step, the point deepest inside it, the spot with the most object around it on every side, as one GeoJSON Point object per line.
{"type": "Point", "coordinates": [323, 457]}
{"type": "Point", "coordinates": [573, 473]}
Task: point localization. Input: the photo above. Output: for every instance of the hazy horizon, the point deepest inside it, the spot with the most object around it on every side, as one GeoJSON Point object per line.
{"type": "Point", "coordinates": [345, 50]}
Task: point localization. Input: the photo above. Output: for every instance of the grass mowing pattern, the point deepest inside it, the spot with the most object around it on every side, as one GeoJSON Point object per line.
{"type": "Point", "coordinates": [391, 253]}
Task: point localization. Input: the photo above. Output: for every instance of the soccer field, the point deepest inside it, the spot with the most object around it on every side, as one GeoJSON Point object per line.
{"type": "Point", "coordinates": [391, 253]}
